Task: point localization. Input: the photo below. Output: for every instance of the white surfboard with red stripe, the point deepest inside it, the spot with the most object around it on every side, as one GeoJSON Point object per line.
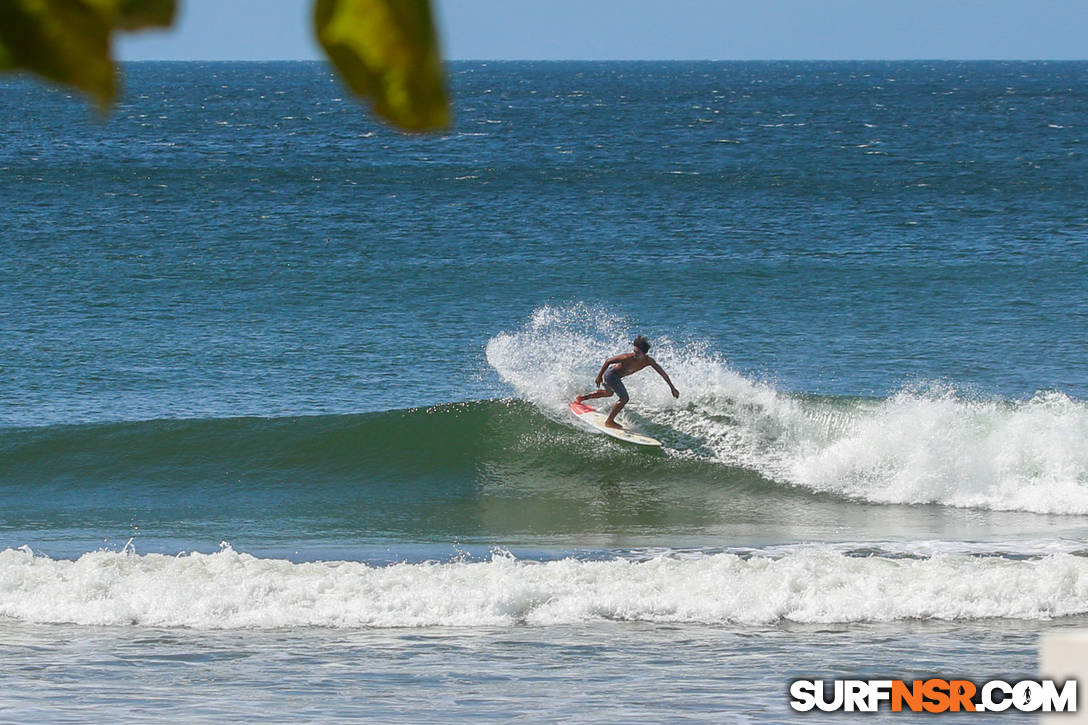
{"type": "Point", "coordinates": [596, 418]}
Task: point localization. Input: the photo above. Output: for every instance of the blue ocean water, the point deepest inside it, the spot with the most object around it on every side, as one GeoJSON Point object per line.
{"type": "Point", "coordinates": [283, 392]}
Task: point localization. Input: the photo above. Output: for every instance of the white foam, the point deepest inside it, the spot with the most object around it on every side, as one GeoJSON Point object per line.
{"type": "Point", "coordinates": [923, 445]}
{"type": "Point", "coordinates": [936, 446]}
{"type": "Point", "coordinates": [230, 590]}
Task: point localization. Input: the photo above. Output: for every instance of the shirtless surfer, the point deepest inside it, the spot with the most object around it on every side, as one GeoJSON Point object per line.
{"type": "Point", "coordinates": [621, 366]}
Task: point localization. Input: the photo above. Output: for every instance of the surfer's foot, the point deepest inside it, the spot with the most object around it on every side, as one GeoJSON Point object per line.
{"type": "Point", "coordinates": [579, 398]}
{"type": "Point", "coordinates": [612, 424]}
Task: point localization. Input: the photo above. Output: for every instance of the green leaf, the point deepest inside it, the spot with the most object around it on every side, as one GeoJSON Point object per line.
{"type": "Point", "coordinates": [137, 14]}
{"type": "Point", "coordinates": [387, 52]}
{"type": "Point", "coordinates": [134, 14]}
{"type": "Point", "coordinates": [68, 41]}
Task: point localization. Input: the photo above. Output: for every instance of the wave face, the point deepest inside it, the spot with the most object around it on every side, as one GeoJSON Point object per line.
{"type": "Point", "coordinates": [727, 434]}
{"type": "Point", "coordinates": [926, 444]}
{"type": "Point", "coordinates": [459, 445]}
{"type": "Point", "coordinates": [478, 473]}
{"type": "Point", "coordinates": [230, 590]}
{"type": "Point", "coordinates": [263, 450]}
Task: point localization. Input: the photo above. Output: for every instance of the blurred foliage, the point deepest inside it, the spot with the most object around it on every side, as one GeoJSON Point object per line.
{"type": "Point", "coordinates": [68, 41]}
{"type": "Point", "coordinates": [386, 50]}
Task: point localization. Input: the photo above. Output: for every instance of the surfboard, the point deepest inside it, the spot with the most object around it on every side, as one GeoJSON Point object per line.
{"type": "Point", "coordinates": [596, 418]}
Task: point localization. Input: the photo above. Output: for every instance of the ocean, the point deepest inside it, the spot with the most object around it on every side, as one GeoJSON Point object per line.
{"type": "Point", "coordinates": [283, 426]}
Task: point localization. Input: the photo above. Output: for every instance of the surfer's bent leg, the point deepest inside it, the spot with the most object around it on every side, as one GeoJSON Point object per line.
{"type": "Point", "coordinates": [612, 386]}
{"type": "Point", "coordinates": [595, 394]}
{"type": "Point", "coordinates": [612, 381]}
{"type": "Point", "coordinates": [611, 422]}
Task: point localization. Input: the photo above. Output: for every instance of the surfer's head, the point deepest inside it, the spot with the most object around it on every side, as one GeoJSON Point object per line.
{"type": "Point", "coordinates": [641, 344]}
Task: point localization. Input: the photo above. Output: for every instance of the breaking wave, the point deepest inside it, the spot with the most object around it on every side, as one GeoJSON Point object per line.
{"type": "Point", "coordinates": [925, 444]}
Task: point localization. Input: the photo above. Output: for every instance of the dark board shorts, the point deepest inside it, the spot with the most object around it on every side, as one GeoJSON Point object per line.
{"type": "Point", "coordinates": [613, 383]}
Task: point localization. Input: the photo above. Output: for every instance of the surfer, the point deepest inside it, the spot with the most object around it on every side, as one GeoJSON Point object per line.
{"type": "Point", "coordinates": [620, 366]}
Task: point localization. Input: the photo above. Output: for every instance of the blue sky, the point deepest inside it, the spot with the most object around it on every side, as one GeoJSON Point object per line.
{"type": "Point", "coordinates": [656, 29]}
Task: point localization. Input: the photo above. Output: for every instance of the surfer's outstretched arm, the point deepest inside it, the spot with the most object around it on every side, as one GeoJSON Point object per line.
{"type": "Point", "coordinates": [662, 373]}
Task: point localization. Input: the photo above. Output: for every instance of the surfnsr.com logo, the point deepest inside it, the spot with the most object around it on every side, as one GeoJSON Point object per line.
{"type": "Point", "coordinates": [933, 695]}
